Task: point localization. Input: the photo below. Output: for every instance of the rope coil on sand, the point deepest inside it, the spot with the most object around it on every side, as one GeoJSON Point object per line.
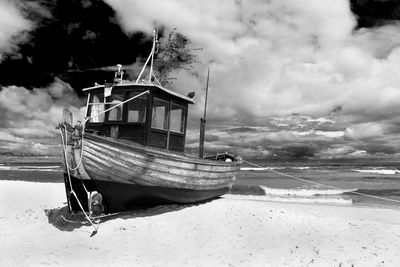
{"type": "Point", "coordinates": [332, 187]}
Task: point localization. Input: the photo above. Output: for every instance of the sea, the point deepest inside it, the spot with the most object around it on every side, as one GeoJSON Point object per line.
{"type": "Point", "coordinates": [358, 182]}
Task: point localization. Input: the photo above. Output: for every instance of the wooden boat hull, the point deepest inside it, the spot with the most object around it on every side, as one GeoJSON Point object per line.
{"type": "Point", "coordinates": [120, 197]}
{"type": "Point", "coordinates": [129, 175]}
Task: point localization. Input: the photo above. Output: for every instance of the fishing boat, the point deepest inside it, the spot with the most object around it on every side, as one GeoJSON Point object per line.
{"type": "Point", "coordinates": [130, 149]}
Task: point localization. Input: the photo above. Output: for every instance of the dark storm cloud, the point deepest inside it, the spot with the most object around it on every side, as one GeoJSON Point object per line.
{"type": "Point", "coordinates": [211, 138]}
{"type": "Point", "coordinates": [336, 109]}
{"type": "Point", "coordinates": [242, 130]}
{"type": "Point", "coordinates": [272, 59]}
{"type": "Point", "coordinates": [328, 127]}
{"type": "Point", "coordinates": [300, 150]}
{"type": "Point", "coordinates": [376, 148]}
{"type": "Point", "coordinates": [371, 13]}
{"type": "Point", "coordinates": [70, 40]}
{"type": "Point", "coordinates": [393, 127]}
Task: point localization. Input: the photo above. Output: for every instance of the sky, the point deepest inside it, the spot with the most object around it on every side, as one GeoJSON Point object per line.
{"type": "Point", "coordinates": [289, 78]}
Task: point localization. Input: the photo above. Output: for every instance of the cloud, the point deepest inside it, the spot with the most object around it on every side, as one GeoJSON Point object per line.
{"type": "Point", "coordinates": [29, 117]}
{"type": "Point", "coordinates": [12, 23]}
{"type": "Point", "coordinates": [42, 42]}
{"type": "Point", "coordinates": [363, 131]}
{"type": "Point", "coordinates": [285, 56]}
{"type": "Point", "coordinates": [379, 40]}
{"type": "Point", "coordinates": [280, 52]}
{"type": "Point", "coordinates": [291, 137]}
{"type": "Point", "coordinates": [285, 74]}
{"type": "Point", "coordinates": [271, 59]}
{"type": "Point", "coordinates": [336, 151]}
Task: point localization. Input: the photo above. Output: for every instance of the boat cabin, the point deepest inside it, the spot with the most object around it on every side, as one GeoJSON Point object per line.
{"type": "Point", "coordinates": [157, 118]}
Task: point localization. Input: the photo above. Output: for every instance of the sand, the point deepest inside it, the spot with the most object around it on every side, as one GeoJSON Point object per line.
{"type": "Point", "coordinates": [230, 231]}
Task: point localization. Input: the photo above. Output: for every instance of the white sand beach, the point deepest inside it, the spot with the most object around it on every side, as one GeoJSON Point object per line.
{"type": "Point", "coordinates": [231, 231]}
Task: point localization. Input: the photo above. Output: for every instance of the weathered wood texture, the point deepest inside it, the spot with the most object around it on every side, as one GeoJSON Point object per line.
{"type": "Point", "coordinates": [106, 159]}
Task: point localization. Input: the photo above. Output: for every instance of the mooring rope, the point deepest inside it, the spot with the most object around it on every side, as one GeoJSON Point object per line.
{"type": "Point", "coordinates": [64, 146]}
{"type": "Point", "coordinates": [69, 168]}
{"type": "Point", "coordinates": [329, 186]}
{"type": "Point", "coordinates": [80, 160]}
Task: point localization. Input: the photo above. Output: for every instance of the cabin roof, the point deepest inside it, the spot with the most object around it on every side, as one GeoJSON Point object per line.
{"type": "Point", "coordinates": [190, 100]}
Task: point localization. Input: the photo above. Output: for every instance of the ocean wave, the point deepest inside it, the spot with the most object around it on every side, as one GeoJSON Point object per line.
{"type": "Point", "coordinates": [260, 168]}
{"type": "Point", "coordinates": [30, 168]}
{"type": "Point", "coordinates": [5, 168]}
{"type": "Point", "coordinates": [316, 200]}
{"type": "Point", "coordinates": [272, 168]}
{"type": "Point", "coordinates": [301, 168]}
{"type": "Point", "coordinates": [39, 167]}
{"type": "Point", "coordinates": [378, 171]}
{"type": "Point", "coordinates": [304, 192]}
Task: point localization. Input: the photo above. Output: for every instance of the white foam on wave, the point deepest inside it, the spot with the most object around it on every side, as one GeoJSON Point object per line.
{"type": "Point", "coordinates": [5, 168]}
{"type": "Point", "coordinates": [30, 168]}
{"type": "Point", "coordinates": [260, 169]}
{"type": "Point", "coordinates": [311, 200]}
{"type": "Point", "coordinates": [378, 171]}
{"type": "Point", "coordinates": [38, 167]}
{"type": "Point", "coordinates": [304, 192]}
{"type": "Point", "coordinates": [315, 200]}
{"type": "Point", "coordinates": [301, 168]}
{"type": "Point", "coordinates": [272, 168]}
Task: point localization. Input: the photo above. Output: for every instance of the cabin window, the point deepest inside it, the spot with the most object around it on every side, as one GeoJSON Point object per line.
{"type": "Point", "coordinates": [115, 114]}
{"type": "Point", "coordinates": [137, 108]}
{"type": "Point", "coordinates": [96, 106]}
{"type": "Point", "coordinates": [177, 120]}
{"type": "Point", "coordinates": [160, 114]}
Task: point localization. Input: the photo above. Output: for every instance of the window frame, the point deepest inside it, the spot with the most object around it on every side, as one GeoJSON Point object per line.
{"type": "Point", "coordinates": [146, 106]}
{"type": "Point", "coordinates": [108, 105]}
{"type": "Point", "coordinates": [166, 114]}
{"type": "Point", "coordinates": [182, 119]}
{"type": "Point", "coordinates": [90, 105]}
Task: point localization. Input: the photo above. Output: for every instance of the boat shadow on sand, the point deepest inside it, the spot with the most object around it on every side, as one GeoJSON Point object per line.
{"type": "Point", "coordinates": [63, 220]}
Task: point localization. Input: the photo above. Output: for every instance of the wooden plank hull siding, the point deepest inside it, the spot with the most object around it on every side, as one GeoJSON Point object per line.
{"type": "Point", "coordinates": [121, 197]}
{"type": "Point", "coordinates": [110, 160]}
{"type": "Point", "coordinates": [129, 174]}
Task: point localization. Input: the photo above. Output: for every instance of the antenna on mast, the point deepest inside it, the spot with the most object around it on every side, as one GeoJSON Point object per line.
{"type": "Point", "coordinates": [152, 54]}
{"type": "Point", "coordinates": [118, 74]}
{"type": "Point", "coordinates": [150, 77]}
{"type": "Point", "coordinates": [203, 120]}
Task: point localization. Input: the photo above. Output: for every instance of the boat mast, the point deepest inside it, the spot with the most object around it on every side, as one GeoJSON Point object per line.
{"type": "Point", "coordinates": [151, 76]}
{"type": "Point", "coordinates": [153, 49]}
{"type": "Point", "coordinates": [203, 120]}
